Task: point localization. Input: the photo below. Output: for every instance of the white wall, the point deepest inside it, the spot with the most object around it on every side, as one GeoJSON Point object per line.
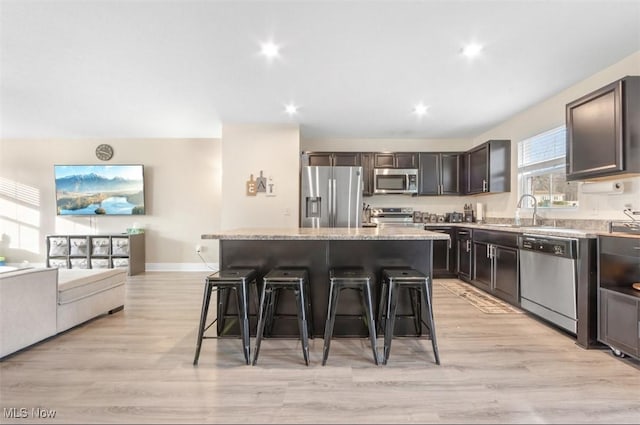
{"type": "Point", "coordinates": [182, 196]}
{"type": "Point", "coordinates": [183, 191]}
{"type": "Point", "coordinates": [550, 114]}
{"type": "Point", "coordinates": [247, 149]}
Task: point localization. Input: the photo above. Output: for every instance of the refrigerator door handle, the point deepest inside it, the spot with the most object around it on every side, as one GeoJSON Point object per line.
{"type": "Point", "coordinates": [334, 206]}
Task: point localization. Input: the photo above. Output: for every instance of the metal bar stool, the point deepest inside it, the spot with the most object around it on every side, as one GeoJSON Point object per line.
{"type": "Point", "coordinates": [349, 278]}
{"type": "Point", "coordinates": [222, 281]}
{"type": "Point", "coordinates": [276, 280]}
{"type": "Point", "coordinates": [392, 281]}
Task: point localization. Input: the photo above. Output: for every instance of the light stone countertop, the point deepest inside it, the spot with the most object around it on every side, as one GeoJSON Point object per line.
{"type": "Point", "coordinates": [415, 232]}
{"type": "Point", "coordinates": [529, 230]}
{"type": "Point", "coordinates": [535, 230]}
{"type": "Point", "coordinates": [327, 233]}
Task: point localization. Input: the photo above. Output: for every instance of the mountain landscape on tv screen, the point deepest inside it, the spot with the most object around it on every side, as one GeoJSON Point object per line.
{"type": "Point", "coordinates": [86, 194]}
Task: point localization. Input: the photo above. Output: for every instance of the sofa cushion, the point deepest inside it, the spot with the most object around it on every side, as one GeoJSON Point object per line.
{"type": "Point", "coordinates": [75, 284]}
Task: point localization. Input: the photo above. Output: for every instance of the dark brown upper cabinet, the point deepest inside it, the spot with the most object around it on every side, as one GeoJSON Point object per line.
{"type": "Point", "coordinates": [395, 160]}
{"type": "Point", "coordinates": [488, 168]}
{"type": "Point", "coordinates": [366, 160]}
{"type": "Point", "coordinates": [439, 173]}
{"type": "Point", "coordinates": [347, 159]}
{"type": "Point", "coordinates": [603, 131]}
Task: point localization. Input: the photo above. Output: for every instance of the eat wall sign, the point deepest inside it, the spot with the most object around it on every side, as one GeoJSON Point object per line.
{"type": "Point", "coordinates": [261, 184]}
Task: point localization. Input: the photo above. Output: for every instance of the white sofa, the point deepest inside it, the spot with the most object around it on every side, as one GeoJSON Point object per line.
{"type": "Point", "coordinates": [38, 303]}
{"type": "Point", "coordinates": [28, 307]}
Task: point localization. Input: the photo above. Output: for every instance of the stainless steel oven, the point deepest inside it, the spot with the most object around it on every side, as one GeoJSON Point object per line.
{"type": "Point", "coordinates": [394, 217]}
{"type": "Point", "coordinates": [395, 180]}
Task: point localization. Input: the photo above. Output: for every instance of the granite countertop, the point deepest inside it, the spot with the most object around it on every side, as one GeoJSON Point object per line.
{"type": "Point", "coordinates": [537, 230]}
{"type": "Point", "coordinates": [328, 233]}
{"type": "Point", "coordinates": [416, 232]}
{"type": "Point", "coordinates": [565, 232]}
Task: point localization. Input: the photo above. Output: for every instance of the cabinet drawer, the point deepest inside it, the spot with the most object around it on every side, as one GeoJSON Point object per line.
{"type": "Point", "coordinates": [120, 262]}
{"type": "Point", "coordinates": [58, 263]}
{"type": "Point", "coordinates": [496, 238]}
{"type": "Point", "coordinates": [58, 247]}
{"type": "Point", "coordinates": [78, 246]}
{"type": "Point", "coordinates": [99, 263]}
{"type": "Point", "coordinates": [100, 246]}
{"type": "Point", "coordinates": [79, 263]}
{"type": "Point", "coordinates": [119, 246]}
{"type": "Point", "coordinates": [628, 247]}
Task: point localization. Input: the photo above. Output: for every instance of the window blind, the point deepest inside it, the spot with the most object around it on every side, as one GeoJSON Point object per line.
{"type": "Point", "coordinates": [547, 146]}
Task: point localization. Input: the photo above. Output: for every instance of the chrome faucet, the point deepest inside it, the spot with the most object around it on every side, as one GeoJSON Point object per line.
{"type": "Point", "coordinates": [534, 218]}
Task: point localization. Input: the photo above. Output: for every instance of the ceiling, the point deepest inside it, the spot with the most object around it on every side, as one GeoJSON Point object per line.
{"type": "Point", "coordinates": [111, 69]}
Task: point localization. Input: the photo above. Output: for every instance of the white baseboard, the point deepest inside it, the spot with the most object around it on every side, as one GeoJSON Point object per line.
{"type": "Point", "coordinates": [150, 267]}
{"type": "Point", "coordinates": [181, 267]}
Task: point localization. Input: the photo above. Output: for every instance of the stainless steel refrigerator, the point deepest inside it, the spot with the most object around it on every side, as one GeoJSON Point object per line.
{"type": "Point", "coordinates": [331, 196]}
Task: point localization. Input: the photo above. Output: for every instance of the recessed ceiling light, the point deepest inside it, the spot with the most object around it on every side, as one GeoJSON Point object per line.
{"type": "Point", "coordinates": [420, 109]}
{"type": "Point", "coordinates": [270, 50]}
{"type": "Point", "coordinates": [291, 109]}
{"type": "Point", "coordinates": [471, 50]}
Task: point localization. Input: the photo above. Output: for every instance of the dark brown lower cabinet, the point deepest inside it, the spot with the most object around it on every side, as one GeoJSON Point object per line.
{"type": "Point", "coordinates": [444, 258]}
{"type": "Point", "coordinates": [618, 302]}
{"type": "Point", "coordinates": [619, 325]}
{"type": "Point", "coordinates": [464, 251]}
{"type": "Point", "coordinates": [495, 264]}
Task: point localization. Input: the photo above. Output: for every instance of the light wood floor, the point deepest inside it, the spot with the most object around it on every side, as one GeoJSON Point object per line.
{"type": "Point", "coordinates": [136, 366]}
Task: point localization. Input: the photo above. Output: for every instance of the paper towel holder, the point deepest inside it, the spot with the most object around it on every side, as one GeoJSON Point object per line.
{"type": "Point", "coordinates": [609, 187]}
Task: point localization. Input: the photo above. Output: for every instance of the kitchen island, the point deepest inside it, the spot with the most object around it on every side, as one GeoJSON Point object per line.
{"type": "Point", "coordinates": [318, 250]}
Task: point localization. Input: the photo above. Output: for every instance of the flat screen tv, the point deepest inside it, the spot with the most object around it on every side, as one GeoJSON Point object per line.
{"type": "Point", "coordinates": [99, 189]}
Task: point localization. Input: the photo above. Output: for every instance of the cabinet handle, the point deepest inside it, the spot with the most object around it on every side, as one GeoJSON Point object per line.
{"type": "Point", "coordinates": [484, 185]}
{"type": "Point", "coordinates": [488, 251]}
{"type": "Point", "coordinates": [468, 245]}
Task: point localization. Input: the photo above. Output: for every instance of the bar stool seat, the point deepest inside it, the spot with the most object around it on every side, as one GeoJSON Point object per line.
{"type": "Point", "coordinates": [238, 280]}
{"type": "Point", "coordinates": [295, 279]}
{"type": "Point", "coordinates": [349, 278]}
{"type": "Point", "coordinates": [392, 281]}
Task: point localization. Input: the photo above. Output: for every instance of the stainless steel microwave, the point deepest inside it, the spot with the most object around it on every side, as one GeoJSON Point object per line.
{"type": "Point", "coordinates": [395, 180]}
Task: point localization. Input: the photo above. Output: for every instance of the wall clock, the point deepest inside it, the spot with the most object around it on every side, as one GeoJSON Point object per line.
{"type": "Point", "coordinates": [104, 152]}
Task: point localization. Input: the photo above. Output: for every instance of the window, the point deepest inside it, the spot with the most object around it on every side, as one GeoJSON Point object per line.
{"type": "Point", "coordinates": [542, 171]}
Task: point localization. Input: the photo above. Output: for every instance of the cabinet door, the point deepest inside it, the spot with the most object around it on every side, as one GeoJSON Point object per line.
{"type": "Point", "coordinates": [406, 160]}
{"type": "Point", "coordinates": [477, 171]}
{"type": "Point", "coordinates": [594, 133]}
{"type": "Point", "coordinates": [464, 257]}
{"type": "Point", "coordinates": [619, 322]}
{"type": "Point", "coordinates": [320, 158]}
{"type": "Point", "coordinates": [505, 284]}
{"type": "Point", "coordinates": [348, 159]}
{"type": "Point", "coordinates": [440, 258]}
{"type": "Point", "coordinates": [384, 160]}
{"type": "Point", "coordinates": [366, 160]}
{"type": "Point", "coordinates": [450, 174]}
{"type": "Point", "coordinates": [482, 266]}
{"type": "Point", "coordinates": [444, 255]}
{"type": "Point", "coordinates": [429, 170]}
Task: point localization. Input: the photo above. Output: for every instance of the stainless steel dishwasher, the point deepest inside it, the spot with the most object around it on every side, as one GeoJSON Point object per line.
{"type": "Point", "coordinates": [548, 281]}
